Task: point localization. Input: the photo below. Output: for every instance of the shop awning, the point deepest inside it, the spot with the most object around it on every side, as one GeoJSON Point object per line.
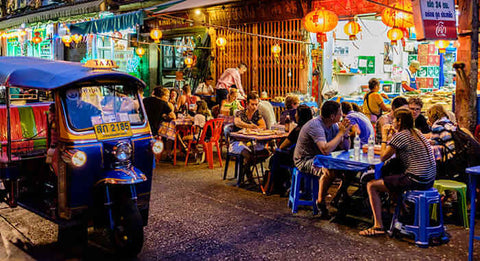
{"type": "Point", "coordinates": [52, 14]}
{"type": "Point", "coordinates": [180, 5]}
{"type": "Point", "coordinates": [109, 24]}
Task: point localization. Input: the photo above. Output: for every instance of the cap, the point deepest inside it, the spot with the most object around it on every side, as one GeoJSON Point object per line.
{"type": "Point", "coordinates": [415, 64]}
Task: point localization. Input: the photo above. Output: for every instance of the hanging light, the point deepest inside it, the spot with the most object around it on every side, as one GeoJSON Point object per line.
{"type": "Point", "coordinates": [221, 42]}
{"type": "Point", "coordinates": [442, 45]}
{"type": "Point", "coordinates": [351, 29]}
{"type": "Point", "coordinates": [156, 35]}
{"type": "Point", "coordinates": [276, 49]}
{"type": "Point", "coordinates": [77, 38]}
{"type": "Point", "coordinates": [188, 62]}
{"type": "Point", "coordinates": [320, 22]}
{"type": "Point", "coordinates": [140, 52]}
{"type": "Point", "coordinates": [394, 35]}
{"type": "Point", "coordinates": [67, 39]}
{"type": "Point", "coordinates": [395, 18]}
{"type": "Point", "coordinates": [37, 39]}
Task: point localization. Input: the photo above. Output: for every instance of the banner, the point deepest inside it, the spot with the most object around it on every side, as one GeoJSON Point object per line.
{"type": "Point", "coordinates": [434, 19]}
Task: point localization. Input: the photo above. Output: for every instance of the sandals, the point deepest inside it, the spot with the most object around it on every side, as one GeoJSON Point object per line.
{"type": "Point", "coordinates": [373, 231]}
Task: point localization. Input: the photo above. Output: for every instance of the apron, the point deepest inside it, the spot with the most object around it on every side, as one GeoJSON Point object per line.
{"type": "Point", "coordinates": [413, 83]}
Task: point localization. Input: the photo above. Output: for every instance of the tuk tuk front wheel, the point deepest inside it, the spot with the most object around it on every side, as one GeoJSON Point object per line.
{"type": "Point", "coordinates": [127, 235]}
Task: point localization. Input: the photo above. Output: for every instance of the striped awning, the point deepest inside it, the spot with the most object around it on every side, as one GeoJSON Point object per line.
{"type": "Point", "coordinates": [109, 24]}
{"type": "Point", "coordinates": [52, 14]}
{"type": "Point", "coordinates": [181, 5]}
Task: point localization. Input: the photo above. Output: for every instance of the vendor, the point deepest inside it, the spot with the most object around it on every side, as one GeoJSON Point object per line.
{"type": "Point", "coordinates": [409, 82]}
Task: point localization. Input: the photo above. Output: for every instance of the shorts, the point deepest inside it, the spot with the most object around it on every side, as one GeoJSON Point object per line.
{"type": "Point", "coordinates": [306, 166]}
{"type": "Point", "coordinates": [400, 183]}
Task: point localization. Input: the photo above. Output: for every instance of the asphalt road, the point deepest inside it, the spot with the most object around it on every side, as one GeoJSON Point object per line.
{"type": "Point", "coordinates": [195, 215]}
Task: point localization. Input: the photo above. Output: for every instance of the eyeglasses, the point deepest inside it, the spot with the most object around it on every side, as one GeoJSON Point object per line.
{"type": "Point", "coordinates": [416, 109]}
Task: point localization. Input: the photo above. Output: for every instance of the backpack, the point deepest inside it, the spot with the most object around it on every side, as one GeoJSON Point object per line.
{"type": "Point", "coordinates": [466, 154]}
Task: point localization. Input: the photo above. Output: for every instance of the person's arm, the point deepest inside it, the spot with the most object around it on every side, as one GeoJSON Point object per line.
{"type": "Point", "coordinates": [407, 87]}
{"type": "Point", "coordinates": [261, 124]}
{"type": "Point", "coordinates": [243, 125]}
{"type": "Point", "coordinates": [238, 82]}
{"type": "Point", "coordinates": [327, 147]}
{"type": "Point", "coordinates": [379, 100]}
{"type": "Point", "coordinates": [387, 151]}
{"type": "Point", "coordinates": [171, 113]}
{"type": "Point", "coordinates": [286, 144]}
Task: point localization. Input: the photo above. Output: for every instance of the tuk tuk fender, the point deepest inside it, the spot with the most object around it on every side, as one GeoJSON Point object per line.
{"type": "Point", "coordinates": [123, 176]}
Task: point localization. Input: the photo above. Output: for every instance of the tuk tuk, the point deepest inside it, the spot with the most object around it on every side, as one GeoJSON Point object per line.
{"type": "Point", "coordinates": [76, 147]}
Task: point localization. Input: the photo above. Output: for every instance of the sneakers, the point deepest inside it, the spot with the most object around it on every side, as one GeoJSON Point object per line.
{"type": "Point", "coordinates": [323, 211]}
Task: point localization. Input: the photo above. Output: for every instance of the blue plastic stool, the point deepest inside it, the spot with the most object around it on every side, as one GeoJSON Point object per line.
{"type": "Point", "coordinates": [473, 173]}
{"type": "Point", "coordinates": [310, 184]}
{"type": "Point", "coordinates": [421, 227]}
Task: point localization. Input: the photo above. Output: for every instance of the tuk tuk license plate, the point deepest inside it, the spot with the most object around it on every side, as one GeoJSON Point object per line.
{"type": "Point", "coordinates": [112, 130]}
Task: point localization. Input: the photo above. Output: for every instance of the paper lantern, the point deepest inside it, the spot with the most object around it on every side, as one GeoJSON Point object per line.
{"type": "Point", "coordinates": [396, 18]}
{"type": "Point", "coordinates": [394, 35]}
{"type": "Point", "coordinates": [320, 22]}
{"type": "Point", "coordinates": [442, 45]}
{"type": "Point", "coordinates": [188, 61]}
{"type": "Point", "coordinates": [221, 42]}
{"type": "Point", "coordinates": [77, 38]}
{"type": "Point", "coordinates": [37, 39]}
{"type": "Point", "coordinates": [140, 52]}
{"type": "Point", "coordinates": [156, 35]}
{"type": "Point", "coordinates": [276, 49]}
{"type": "Point", "coordinates": [67, 39]}
{"type": "Point", "coordinates": [351, 29]}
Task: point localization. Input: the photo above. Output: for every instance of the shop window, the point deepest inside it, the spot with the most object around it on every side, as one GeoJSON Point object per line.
{"type": "Point", "coordinates": [172, 52]}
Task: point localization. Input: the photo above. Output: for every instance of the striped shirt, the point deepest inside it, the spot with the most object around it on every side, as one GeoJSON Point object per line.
{"type": "Point", "coordinates": [416, 155]}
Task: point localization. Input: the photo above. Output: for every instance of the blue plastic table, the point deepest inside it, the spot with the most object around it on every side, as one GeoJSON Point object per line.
{"type": "Point", "coordinates": [343, 160]}
{"type": "Point", "coordinates": [473, 174]}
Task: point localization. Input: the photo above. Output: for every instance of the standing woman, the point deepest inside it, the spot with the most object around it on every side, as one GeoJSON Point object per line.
{"type": "Point", "coordinates": [416, 157]}
{"type": "Point", "coordinates": [373, 105]}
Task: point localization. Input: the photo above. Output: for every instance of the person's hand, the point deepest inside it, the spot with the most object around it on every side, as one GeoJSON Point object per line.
{"type": "Point", "coordinates": [344, 126]}
{"type": "Point", "coordinates": [385, 96]}
{"type": "Point", "coordinates": [387, 132]}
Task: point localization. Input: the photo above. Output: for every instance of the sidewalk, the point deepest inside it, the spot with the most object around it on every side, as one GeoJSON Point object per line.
{"type": "Point", "coordinates": [8, 250]}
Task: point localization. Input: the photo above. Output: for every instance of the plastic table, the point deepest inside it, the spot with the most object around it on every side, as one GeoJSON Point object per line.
{"type": "Point", "coordinates": [473, 173]}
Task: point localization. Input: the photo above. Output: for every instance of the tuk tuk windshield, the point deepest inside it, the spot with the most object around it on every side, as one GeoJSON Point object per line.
{"type": "Point", "coordinates": [90, 105]}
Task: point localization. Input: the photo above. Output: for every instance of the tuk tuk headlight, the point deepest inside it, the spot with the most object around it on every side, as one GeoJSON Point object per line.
{"type": "Point", "coordinates": [157, 147]}
{"type": "Point", "coordinates": [76, 158]}
{"type": "Point", "coordinates": [122, 151]}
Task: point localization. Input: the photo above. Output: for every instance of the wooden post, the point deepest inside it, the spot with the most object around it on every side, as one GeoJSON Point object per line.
{"type": "Point", "coordinates": [254, 65]}
{"type": "Point", "coordinates": [467, 64]}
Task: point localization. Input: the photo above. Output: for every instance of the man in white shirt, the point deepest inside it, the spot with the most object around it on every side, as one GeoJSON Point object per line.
{"type": "Point", "coordinates": [205, 88]}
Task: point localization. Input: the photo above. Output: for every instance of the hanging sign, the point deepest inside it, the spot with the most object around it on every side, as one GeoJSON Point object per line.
{"type": "Point", "coordinates": [434, 19]}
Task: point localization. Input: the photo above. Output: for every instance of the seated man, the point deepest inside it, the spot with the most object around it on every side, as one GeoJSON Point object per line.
{"type": "Point", "coordinates": [322, 135]}
{"type": "Point", "coordinates": [248, 118]}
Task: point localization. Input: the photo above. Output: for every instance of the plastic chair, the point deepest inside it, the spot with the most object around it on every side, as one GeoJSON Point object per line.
{"type": "Point", "coordinates": [310, 183]}
{"type": "Point", "coordinates": [461, 188]}
{"type": "Point", "coordinates": [421, 227]}
{"type": "Point", "coordinates": [215, 126]}
{"type": "Point", "coordinates": [473, 173]}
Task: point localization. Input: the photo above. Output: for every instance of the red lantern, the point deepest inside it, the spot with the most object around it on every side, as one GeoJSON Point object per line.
{"type": "Point", "coordinates": [394, 18]}
{"type": "Point", "coordinates": [351, 29]}
{"type": "Point", "coordinates": [394, 35]}
{"type": "Point", "coordinates": [37, 39]}
{"type": "Point", "coordinates": [320, 22]}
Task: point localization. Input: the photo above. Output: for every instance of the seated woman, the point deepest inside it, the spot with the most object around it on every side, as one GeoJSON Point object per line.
{"type": "Point", "coordinates": [187, 103]}
{"type": "Point", "coordinates": [201, 117]}
{"type": "Point", "coordinates": [173, 99]}
{"type": "Point", "coordinates": [291, 105]}
{"type": "Point", "coordinates": [415, 155]}
{"type": "Point", "coordinates": [279, 177]}
{"type": "Point", "coordinates": [231, 104]}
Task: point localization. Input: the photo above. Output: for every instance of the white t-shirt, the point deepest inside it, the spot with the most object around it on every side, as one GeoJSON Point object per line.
{"type": "Point", "coordinates": [265, 109]}
{"type": "Point", "coordinates": [200, 120]}
{"type": "Point", "coordinates": [406, 76]}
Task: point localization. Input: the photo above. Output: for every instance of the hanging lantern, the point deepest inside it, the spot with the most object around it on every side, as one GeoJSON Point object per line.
{"type": "Point", "coordinates": [221, 42]}
{"type": "Point", "coordinates": [156, 35]}
{"type": "Point", "coordinates": [394, 35]}
{"type": "Point", "coordinates": [351, 29]}
{"type": "Point", "coordinates": [37, 39]}
{"type": "Point", "coordinates": [442, 45]}
{"type": "Point", "coordinates": [188, 62]}
{"type": "Point", "coordinates": [77, 38]}
{"type": "Point", "coordinates": [276, 49]}
{"type": "Point", "coordinates": [394, 18]}
{"type": "Point", "coordinates": [140, 52]}
{"type": "Point", "coordinates": [320, 22]}
{"type": "Point", "coordinates": [67, 39]}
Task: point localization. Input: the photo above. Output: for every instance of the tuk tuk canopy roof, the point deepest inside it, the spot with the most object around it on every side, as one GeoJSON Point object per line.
{"type": "Point", "coordinates": [36, 73]}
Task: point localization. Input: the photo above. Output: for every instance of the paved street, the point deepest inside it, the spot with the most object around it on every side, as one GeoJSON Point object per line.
{"type": "Point", "coordinates": [196, 215]}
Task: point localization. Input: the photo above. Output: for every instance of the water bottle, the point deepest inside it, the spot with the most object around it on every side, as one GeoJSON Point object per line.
{"type": "Point", "coordinates": [356, 147]}
{"type": "Point", "coordinates": [371, 148]}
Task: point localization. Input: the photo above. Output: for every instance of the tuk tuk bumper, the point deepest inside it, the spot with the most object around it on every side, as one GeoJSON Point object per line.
{"type": "Point", "coordinates": [122, 176]}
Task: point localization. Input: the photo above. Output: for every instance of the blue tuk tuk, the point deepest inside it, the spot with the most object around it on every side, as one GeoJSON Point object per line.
{"type": "Point", "coordinates": [76, 147]}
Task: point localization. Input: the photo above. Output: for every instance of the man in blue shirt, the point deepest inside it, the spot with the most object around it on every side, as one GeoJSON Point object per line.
{"type": "Point", "coordinates": [361, 125]}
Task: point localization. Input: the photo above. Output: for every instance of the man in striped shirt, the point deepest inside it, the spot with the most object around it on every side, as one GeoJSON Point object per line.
{"type": "Point", "coordinates": [231, 77]}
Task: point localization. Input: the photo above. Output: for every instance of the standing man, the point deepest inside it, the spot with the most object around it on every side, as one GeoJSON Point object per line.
{"type": "Point", "coordinates": [230, 77]}
{"type": "Point", "coordinates": [409, 82]}
{"type": "Point", "coordinates": [322, 135]}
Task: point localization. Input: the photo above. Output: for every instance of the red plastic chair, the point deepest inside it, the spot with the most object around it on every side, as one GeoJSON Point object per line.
{"type": "Point", "coordinates": [215, 127]}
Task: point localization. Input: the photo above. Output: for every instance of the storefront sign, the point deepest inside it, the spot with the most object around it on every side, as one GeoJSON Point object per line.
{"type": "Point", "coordinates": [434, 19]}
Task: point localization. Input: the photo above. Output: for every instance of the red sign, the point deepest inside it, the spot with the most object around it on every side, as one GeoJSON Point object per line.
{"type": "Point", "coordinates": [434, 19]}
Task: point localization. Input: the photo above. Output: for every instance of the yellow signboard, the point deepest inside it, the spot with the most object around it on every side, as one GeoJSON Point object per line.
{"type": "Point", "coordinates": [112, 130]}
